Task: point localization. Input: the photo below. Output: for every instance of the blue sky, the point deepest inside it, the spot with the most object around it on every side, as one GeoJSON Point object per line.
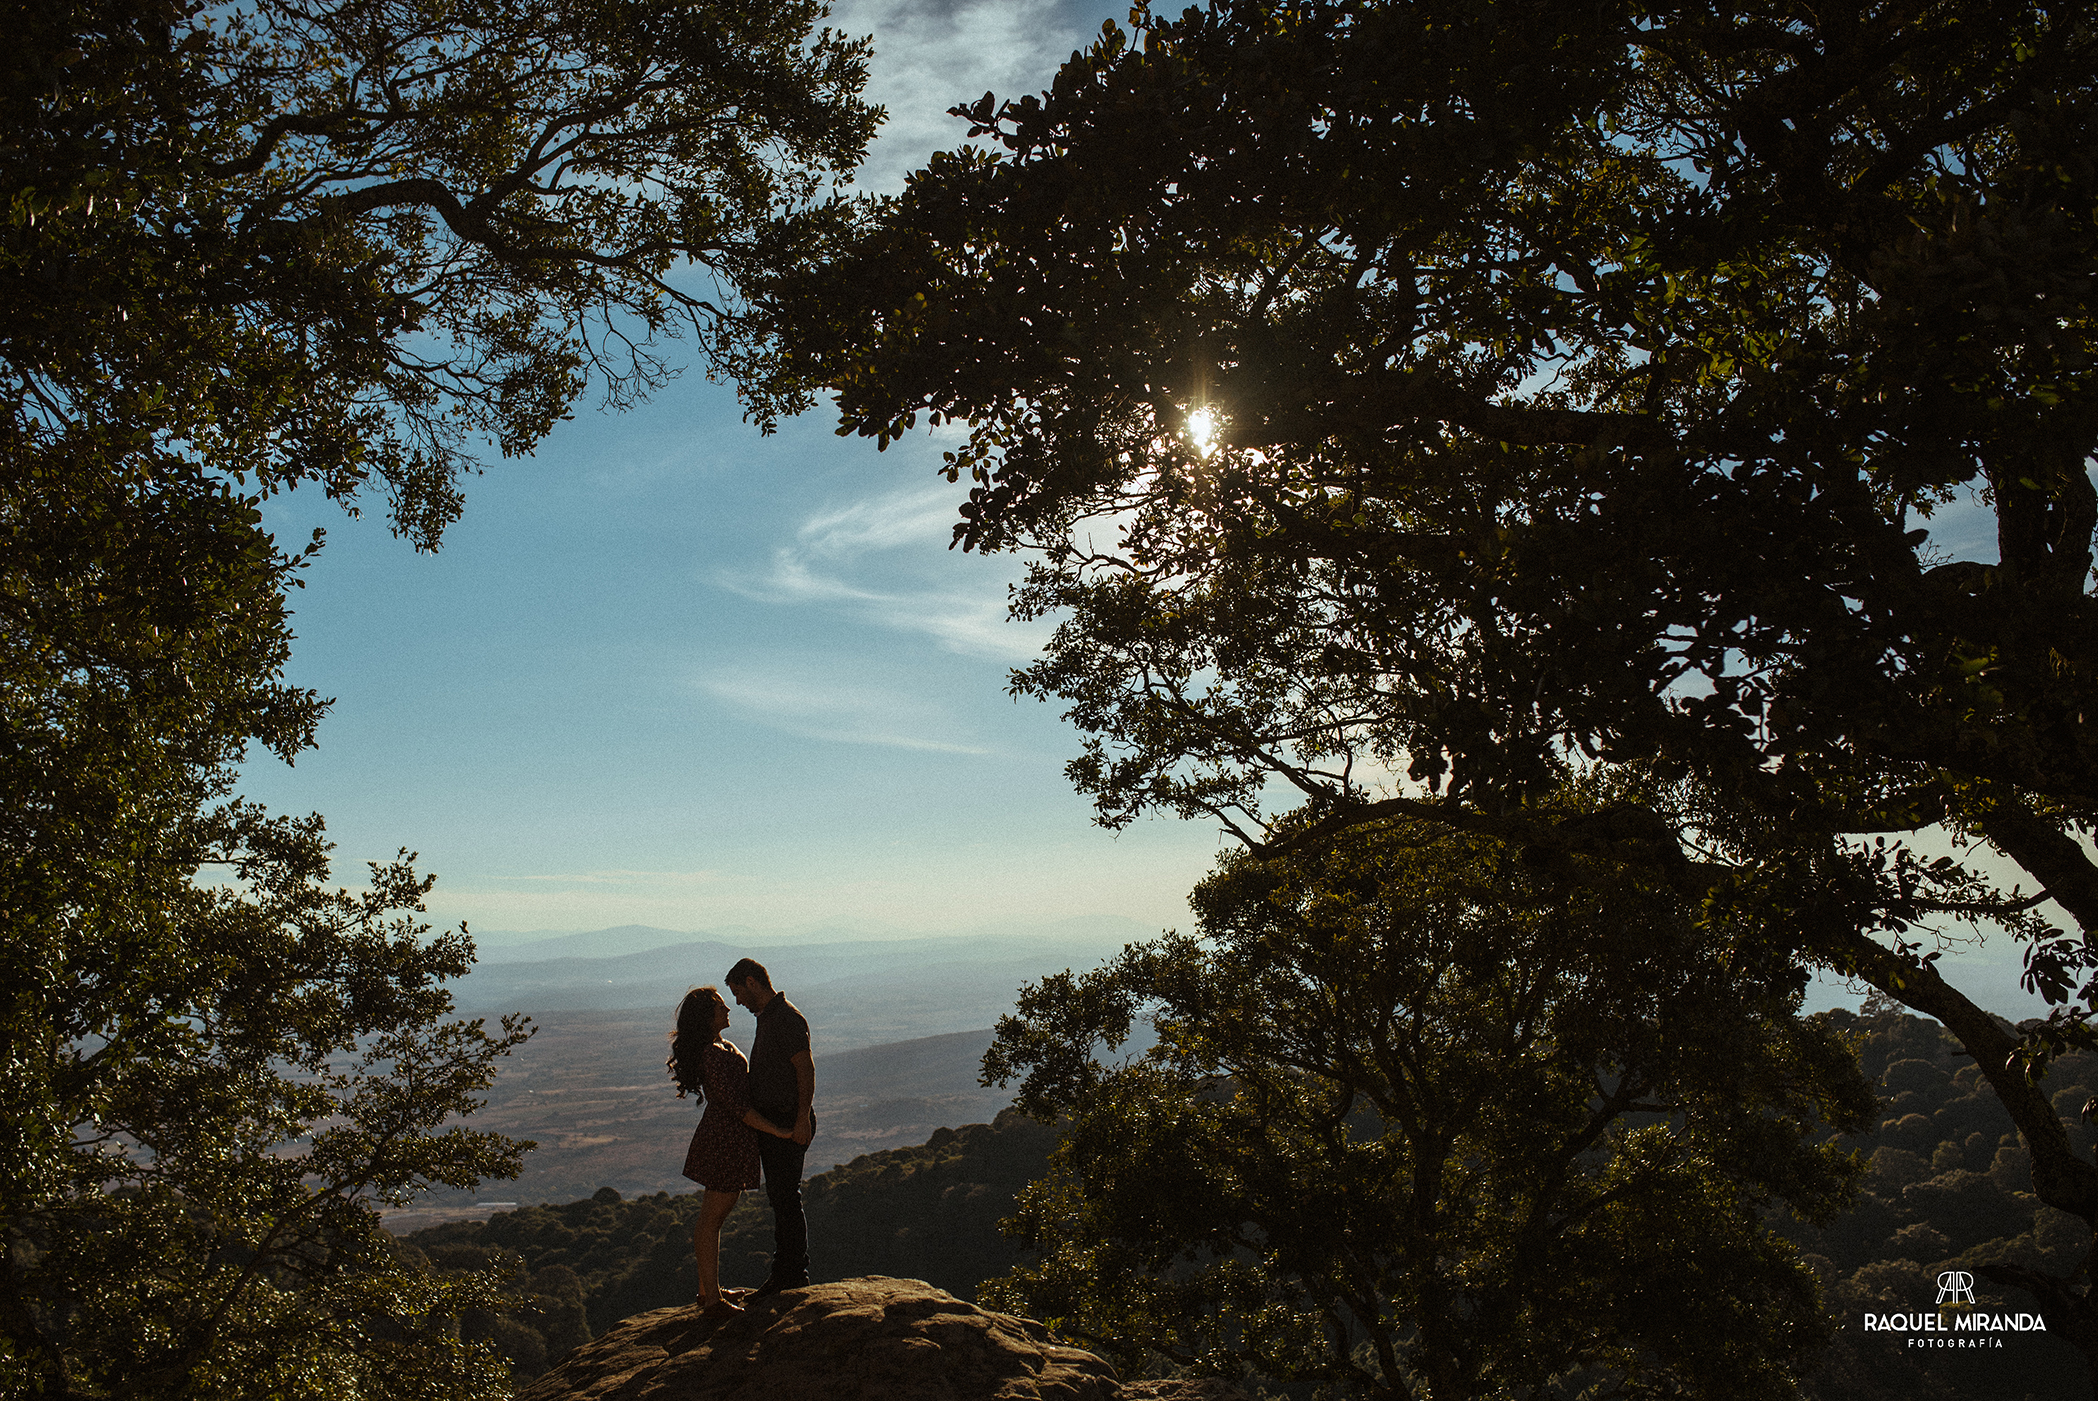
{"type": "Point", "coordinates": [670, 672]}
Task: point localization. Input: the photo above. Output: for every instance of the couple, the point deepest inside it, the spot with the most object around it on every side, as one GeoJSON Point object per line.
{"type": "Point", "coordinates": [750, 1106]}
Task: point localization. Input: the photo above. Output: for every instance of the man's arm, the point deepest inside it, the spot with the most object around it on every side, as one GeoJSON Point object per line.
{"type": "Point", "coordinates": [805, 1095]}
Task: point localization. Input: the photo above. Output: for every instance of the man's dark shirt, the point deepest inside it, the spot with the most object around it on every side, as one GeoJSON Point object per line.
{"type": "Point", "coordinates": [783, 1033]}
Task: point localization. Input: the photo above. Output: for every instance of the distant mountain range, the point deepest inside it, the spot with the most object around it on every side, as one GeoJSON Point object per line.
{"type": "Point", "coordinates": [501, 946]}
{"type": "Point", "coordinates": [863, 991]}
{"type": "Point", "coordinates": [513, 946]}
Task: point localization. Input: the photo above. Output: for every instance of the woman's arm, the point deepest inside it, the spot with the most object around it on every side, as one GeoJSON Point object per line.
{"type": "Point", "coordinates": [764, 1125]}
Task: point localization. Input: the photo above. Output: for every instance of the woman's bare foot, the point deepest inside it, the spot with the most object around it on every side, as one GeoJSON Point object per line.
{"type": "Point", "coordinates": [718, 1308]}
{"type": "Point", "coordinates": [737, 1295]}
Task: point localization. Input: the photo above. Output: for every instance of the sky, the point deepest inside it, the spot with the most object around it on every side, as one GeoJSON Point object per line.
{"type": "Point", "coordinates": [670, 672]}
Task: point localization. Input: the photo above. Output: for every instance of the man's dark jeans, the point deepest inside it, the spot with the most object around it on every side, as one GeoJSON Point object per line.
{"type": "Point", "coordinates": [782, 1158]}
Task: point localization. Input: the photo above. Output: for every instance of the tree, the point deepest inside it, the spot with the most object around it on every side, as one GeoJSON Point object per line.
{"type": "Point", "coordinates": [1424, 1119]}
{"type": "Point", "coordinates": [1408, 398]}
{"type": "Point", "coordinates": [246, 249]}
{"type": "Point", "coordinates": [231, 1083]}
{"type": "Point", "coordinates": [328, 242]}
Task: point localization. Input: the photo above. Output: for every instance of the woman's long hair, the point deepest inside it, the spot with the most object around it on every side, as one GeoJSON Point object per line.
{"type": "Point", "coordinates": [695, 1032]}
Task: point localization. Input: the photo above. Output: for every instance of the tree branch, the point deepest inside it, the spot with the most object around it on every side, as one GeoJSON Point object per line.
{"type": "Point", "coordinates": [2054, 858]}
{"type": "Point", "coordinates": [2062, 1180]}
{"type": "Point", "coordinates": [1375, 408]}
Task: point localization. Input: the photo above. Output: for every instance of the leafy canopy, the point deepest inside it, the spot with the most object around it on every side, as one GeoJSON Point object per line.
{"type": "Point", "coordinates": [1425, 1119]}
{"type": "Point", "coordinates": [328, 242]}
{"type": "Point", "coordinates": [1568, 394]}
{"type": "Point", "coordinates": [244, 248]}
{"type": "Point", "coordinates": [1406, 400]}
{"type": "Point", "coordinates": [233, 1081]}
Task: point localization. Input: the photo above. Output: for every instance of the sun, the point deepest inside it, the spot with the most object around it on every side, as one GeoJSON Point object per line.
{"type": "Point", "coordinates": [1202, 429]}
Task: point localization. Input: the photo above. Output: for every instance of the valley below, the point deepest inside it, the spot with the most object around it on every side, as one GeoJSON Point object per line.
{"type": "Point", "coordinates": [590, 1089]}
{"type": "Point", "coordinates": [899, 1028]}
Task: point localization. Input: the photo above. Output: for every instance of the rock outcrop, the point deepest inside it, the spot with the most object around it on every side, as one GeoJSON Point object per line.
{"type": "Point", "coordinates": [856, 1340]}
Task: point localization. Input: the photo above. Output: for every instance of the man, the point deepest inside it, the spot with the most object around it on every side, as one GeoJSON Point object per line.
{"type": "Point", "coordinates": [783, 1089]}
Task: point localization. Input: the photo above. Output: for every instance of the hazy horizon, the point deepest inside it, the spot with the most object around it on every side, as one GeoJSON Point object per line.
{"type": "Point", "coordinates": [1990, 975]}
{"type": "Point", "coordinates": [876, 932]}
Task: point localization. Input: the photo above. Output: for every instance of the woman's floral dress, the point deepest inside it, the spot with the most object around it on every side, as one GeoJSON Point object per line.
{"type": "Point", "coordinates": [724, 1151]}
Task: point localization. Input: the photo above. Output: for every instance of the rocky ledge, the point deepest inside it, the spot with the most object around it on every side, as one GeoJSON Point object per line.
{"type": "Point", "coordinates": [895, 1339]}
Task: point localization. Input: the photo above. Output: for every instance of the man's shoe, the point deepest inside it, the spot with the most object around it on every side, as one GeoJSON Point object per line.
{"type": "Point", "coordinates": [775, 1286]}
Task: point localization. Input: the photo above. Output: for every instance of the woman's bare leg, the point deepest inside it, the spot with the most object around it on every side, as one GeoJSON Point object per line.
{"type": "Point", "coordinates": [706, 1247]}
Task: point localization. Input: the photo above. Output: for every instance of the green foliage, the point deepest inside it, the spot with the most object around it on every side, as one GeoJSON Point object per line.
{"type": "Point", "coordinates": [1568, 392]}
{"type": "Point", "coordinates": [623, 1257]}
{"type": "Point", "coordinates": [1942, 1164]}
{"type": "Point", "coordinates": [326, 243]}
{"type": "Point", "coordinates": [929, 1212]}
{"type": "Point", "coordinates": [241, 249]}
{"type": "Point", "coordinates": [210, 1087]}
{"type": "Point", "coordinates": [205, 1082]}
{"type": "Point", "coordinates": [1407, 398]}
{"type": "Point", "coordinates": [1423, 1118]}
{"type": "Point", "coordinates": [529, 1318]}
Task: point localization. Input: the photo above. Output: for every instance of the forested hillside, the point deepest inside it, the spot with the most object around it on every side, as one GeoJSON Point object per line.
{"type": "Point", "coordinates": [1947, 1187]}
{"type": "Point", "coordinates": [926, 1212]}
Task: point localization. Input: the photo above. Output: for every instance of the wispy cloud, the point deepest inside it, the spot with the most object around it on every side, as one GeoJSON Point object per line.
{"type": "Point", "coordinates": [623, 878]}
{"type": "Point", "coordinates": [884, 561]}
{"type": "Point", "coordinates": [825, 708]}
{"type": "Point", "coordinates": [883, 523]}
{"type": "Point", "coordinates": [930, 55]}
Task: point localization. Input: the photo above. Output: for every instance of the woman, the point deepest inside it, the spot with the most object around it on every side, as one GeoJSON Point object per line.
{"type": "Point", "coordinates": [723, 1157]}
